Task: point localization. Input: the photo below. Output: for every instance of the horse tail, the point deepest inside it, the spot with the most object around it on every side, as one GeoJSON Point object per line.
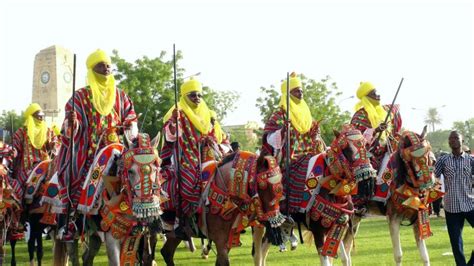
{"type": "Point", "coordinates": [60, 253]}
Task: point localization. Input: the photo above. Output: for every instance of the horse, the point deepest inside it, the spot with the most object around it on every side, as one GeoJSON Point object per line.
{"type": "Point", "coordinates": [10, 204]}
{"type": "Point", "coordinates": [241, 189]}
{"type": "Point", "coordinates": [407, 187]}
{"type": "Point", "coordinates": [121, 197]}
{"type": "Point", "coordinates": [325, 210]}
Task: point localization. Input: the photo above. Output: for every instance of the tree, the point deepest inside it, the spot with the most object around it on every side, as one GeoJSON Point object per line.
{"type": "Point", "coordinates": [320, 97]}
{"type": "Point", "coordinates": [149, 83]}
{"type": "Point", "coordinates": [432, 118]}
{"type": "Point", "coordinates": [439, 141]}
{"type": "Point", "coordinates": [466, 128]}
{"type": "Point", "coordinates": [10, 120]}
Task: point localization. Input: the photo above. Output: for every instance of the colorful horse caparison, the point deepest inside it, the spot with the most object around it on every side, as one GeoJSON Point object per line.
{"type": "Point", "coordinates": [409, 181]}
{"type": "Point", "coordinates": [123, 187]}
{"type": "Point", "coordinates": [331, 179]}
{"type": "Point", "coordinates": [10, 204]}
{"type": "Point", "coordinates": [241, 189]}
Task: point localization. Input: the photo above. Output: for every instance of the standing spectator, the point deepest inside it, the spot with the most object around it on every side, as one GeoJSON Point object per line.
{"type": "Point", "coordinates": [457, 168]}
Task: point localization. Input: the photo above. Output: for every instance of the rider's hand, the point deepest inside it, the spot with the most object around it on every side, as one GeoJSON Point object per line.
{"type": "Point", "coordinates": [72, 116]}
{"type": "Point", "coordinates": [175, 115]}
{"type": "Point", "coordinates": [381, 127]}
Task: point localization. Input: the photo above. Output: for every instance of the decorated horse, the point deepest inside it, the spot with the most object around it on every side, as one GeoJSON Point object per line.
{"type": "Point", "coordinates": [121, 200]}
{"type": "Point", "coordinates": [404, 192]}
{"type": "Point", "coordinates": [325, 209]}
{"type": "Point", "coordinates": [10, 204]}
{"type": "Point", "coordinates": [241, 189]}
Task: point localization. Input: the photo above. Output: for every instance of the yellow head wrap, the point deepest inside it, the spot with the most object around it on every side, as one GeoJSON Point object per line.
{"type": "Point", "coordinates": [199, 115]}
{"type": "Point", "coordinates": [102, 87]}
{"type": "Point", "coordinates": [300, 115]}
{"type": "Point", "coordinates": [374, 110]}
{"type": "Point", "coordinates": [218, 132]}
{"type": "Point", "coordinates": [36, 130]}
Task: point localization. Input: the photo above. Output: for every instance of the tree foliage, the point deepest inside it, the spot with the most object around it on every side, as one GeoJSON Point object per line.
{"type": "Point", "coordinates": [433, 118]}
{"type": "Point", "coordinates": [149, 83]}
{"type": "Point", "coordinates": [320, 97]}
{"type": "Point", "coordinates": [466, 128]}
{"type": "Point", "coordinates": [10, 119]}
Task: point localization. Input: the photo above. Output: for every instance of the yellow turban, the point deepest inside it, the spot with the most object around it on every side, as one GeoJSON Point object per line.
{"type": "Point", "coordinates": [364, 89]}
{"type": "Point", "coordinates": [36, 130]}
{"type": "Point", "coordinates": [190, 86]}
{"type": "Point", "coordinates": [102, 87]}
{"type": "Point", "coordinates": [199, 115]}
{"type": "Point", "coordinates": [376, 113]}
{"type": "Point", "coordinates": [218, 132]}
{"type": "Point", "coordinates": [300, 115]}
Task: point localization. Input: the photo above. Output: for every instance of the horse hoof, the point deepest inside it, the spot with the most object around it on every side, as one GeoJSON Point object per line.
{"type": "Point", "coordinates": [204, 256]}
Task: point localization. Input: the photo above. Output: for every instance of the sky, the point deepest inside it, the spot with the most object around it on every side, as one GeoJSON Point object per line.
{"type": "Point", "coordinates": [243, 45]}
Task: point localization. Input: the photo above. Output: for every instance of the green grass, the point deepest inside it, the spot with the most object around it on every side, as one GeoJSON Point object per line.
{"type": "Point", "coordinates": [373, 247]}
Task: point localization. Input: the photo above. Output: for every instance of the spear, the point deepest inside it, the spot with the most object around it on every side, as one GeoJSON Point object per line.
{"type": "Point", "coordinates": [287, 142]}
{"type": "Point", "coordinates": [71, 145]}
{"type": "Point", "coordinates": [376, 142]}
{"type": "Point", "coordinates": [178, 148]}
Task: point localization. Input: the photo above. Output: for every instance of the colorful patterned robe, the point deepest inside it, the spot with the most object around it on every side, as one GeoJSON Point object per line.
{"type": "Point", "coordinates": [361, 122]}
{"type": "Point", "coordinates": [91, 125]}
{"type": "Point", "coordinates": [27, 158]}
{"type": "Point", "coordinates": [302, 148]}
{"type": "Point", "coordinates": [191, 143]}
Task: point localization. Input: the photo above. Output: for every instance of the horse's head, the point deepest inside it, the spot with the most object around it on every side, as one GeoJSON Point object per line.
{"type": "Point", "coordinates": [347, 157]}
{"type": "Point", "coordinates": [269, 191]}
{"type": "Point", "coordinates": [415, 152]}
{"type": "Point", "coordinates": [141, 178]}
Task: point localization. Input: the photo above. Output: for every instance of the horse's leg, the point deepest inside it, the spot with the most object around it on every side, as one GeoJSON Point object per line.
{"type": "Point", "coordinates": [39, 247]}
{"type": "Point", "coordinates": [345, 256]}
{"type": "Point", "coordinates": [204, 249]}
{"type": "Point", "coordinates": [168, 249]}
{"type": "Point", "coordinates": [72, 248]}
{"type": "Point", "coordinates": [394, 224]}
{"type": "Point", "coordinates": [257, 237]}
{"type": "Point", "coordinates": [91, 250]}
{"type": "Point", "coordinates": [113, 249]}
{"type": "Point", "coordinates": [148, 251]}
{"type": "Point", "coordinates": [60, 256]}
{"type": "Point", "coordinates": [31, 247]}
{"type": "Point", "coordinates": [318, 234]}
{"type": "Point", "coordinates": [420, 243]}
{"type": "Point", "coordinates": [12, 245]}
{"type": "Point", "coordinates": [351, 234]}
{"type": "Point", "coordinates": [2, 248]}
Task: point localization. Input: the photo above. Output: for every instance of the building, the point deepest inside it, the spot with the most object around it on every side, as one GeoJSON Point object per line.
{"type": "Point", "coordinates": [52, 81]}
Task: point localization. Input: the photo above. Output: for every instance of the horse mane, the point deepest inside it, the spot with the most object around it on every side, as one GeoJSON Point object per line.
{"type": "Point", "coordinates": [402, 174]}
{"type": "Point", "coordinates": [227, 158]}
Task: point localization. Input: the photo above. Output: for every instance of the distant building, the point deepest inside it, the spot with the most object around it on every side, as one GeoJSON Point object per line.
{"type": "Point", "coordinates": [52, 81]}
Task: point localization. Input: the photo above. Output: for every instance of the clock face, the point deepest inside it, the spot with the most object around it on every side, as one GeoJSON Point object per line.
{"type": "Point", "coordinates": [67, 77]}
{"type": "Point", "coordinates": [45, 77]}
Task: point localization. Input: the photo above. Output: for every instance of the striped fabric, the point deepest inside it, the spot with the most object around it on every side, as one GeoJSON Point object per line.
{"type": "Point", "coordinates": [303, 147]}
{"type": "Point", "coordinates": [27, 158]}
{"type": "Point", "coordinates": [91, 126]}
{"type": "Point", "coordinates": [458, 180]}
{"type": "Point", "coordinates": [190, 168]}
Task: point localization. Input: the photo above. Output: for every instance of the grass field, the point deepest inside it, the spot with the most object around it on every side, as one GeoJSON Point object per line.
{"type": "Point", "coordinates": [373, 247]}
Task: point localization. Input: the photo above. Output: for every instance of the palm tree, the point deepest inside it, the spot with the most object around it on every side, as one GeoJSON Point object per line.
{"type": "Point", "coordinates": [433, 118]}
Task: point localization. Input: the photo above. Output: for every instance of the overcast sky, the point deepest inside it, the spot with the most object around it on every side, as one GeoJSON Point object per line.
{"type": "Point", "coordinates": [242, 45]}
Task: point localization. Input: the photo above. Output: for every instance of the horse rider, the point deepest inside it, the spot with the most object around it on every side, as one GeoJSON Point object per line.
{"type": "Point", "coordinates": [369, 118]}
{"type": "Point", "coordinates": [305, 139]}
{"type": "Point", "coordinates": [99, 108]}
{"type": "Point", "coordinates": [194, 133]}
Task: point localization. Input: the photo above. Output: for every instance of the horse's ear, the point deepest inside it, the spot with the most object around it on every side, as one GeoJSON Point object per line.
{"type": "Point", "coordinates": [336, 133]}
{"type": "Point", "coordinates": [128, 142]}
{"type": "Point", "coordinates": [156, 140]}
{"type": "Point", "coordinates": [423, 133]}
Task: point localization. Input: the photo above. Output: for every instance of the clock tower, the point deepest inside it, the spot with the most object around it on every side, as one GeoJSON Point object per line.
{"type": "Point", "coordinates": [52, 82]}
